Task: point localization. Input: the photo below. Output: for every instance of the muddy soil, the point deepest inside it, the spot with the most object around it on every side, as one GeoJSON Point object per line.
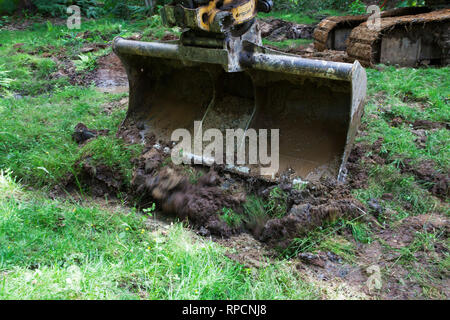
{"type": "Point", "coordinates": [110, 76]}
{"type": "Point", "coordinates": [314, 206]}
{"type": "Point", "coordinates": [197, 203]}
{"type": "Point", "coordinates": [82, 133]}
{"type": "Point", "coordinates": [279, 30]}
{"type": "Point", "coordinates": [309, 52]}
{"type": "Point", "coordinates": [425, 173]}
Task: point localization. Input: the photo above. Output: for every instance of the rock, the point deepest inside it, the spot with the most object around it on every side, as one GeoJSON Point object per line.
{"type": "Point", "coordinates": [375, 205]}
{"type": "Point", "coordinates": [333, 257]}
{"type": "Point", "coordinates": [301, 209]}
{"type": "Point", "coordinates": [135, 36]}
{"type": "Point", "coordinates": [313, 259]}
{"type": "Point", "coordinates": [203, 232]}
{"type": "Point", "coordinates": [82, 133]}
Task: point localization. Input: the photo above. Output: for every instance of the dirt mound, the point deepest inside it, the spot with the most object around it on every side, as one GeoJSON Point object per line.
{"type": "Point", "coordinates": [101, 179]}
{"type": "Point", "coordinates": [82, 133]}
{"type": "Point", "coordinates": [202, 200]}
{"type": "Point", "coordinates": [358, 175]}
{"type": "Point", "coordinates": [310, 208]}
{"type": "Point", "coordinates": [430, 125]}
{"type": "Point", "coordinates": [199, 203]}
{"type": "Point", "coordinates": [425, 172]}
{"type": "Point", "coordinates": [279, 30]}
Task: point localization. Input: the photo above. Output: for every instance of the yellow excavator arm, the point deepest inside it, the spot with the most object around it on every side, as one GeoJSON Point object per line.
{"type": "Point", "coordinates": [218, 16]}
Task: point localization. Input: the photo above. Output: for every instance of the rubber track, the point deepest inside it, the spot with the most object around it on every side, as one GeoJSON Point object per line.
{"type": "Point", "coordinates": [327, 26]}
{"type": "Point", "coordinates": [364, 44]}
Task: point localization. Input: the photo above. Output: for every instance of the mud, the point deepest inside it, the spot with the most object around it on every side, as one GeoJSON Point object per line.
{"type": "Point", "coordinates": [381, 259]}
{"type": "Point", "coordinates": [358, 175]}
{"type": "Point", "coordinates": [247, 251]}
{"type": "Point", "coordinates": [327, 55]}
{"type": "Point", "coordinates": [309, 52]}
{"type": "Point", "coordinates": [426, 174]}
{"type": "Point", "coordinates": [100, 179]}
{"type": "Point", "coordinates": [110, 76]}
{"type": "Point", "coordinates": [199, 204]}
{"type": "Point", "coordinates": [310, 208]}
{"type": "Point", "coordinates": [82, 133]}
{"type": "Point", "coordinates": [430, 125]}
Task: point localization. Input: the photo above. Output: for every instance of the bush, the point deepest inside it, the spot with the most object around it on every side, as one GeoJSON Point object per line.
{"type": "Point", "coordinates": [95, 8]}
{"type": "Point", "coordinates": [357, 7]}
{"type": "Point", "coordinates": [89, 8]}
{"type": "Point", "coordinates": [310, 5]}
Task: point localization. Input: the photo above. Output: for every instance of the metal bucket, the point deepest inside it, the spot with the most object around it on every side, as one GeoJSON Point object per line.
{"type": "Point", "coordinates": [316, 105]}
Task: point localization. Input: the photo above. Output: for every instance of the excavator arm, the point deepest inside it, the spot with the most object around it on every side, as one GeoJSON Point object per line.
{"type": "Point", "coordinates": [217, 16]}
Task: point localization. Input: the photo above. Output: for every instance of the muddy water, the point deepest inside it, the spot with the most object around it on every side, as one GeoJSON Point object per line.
{"type": "Point", "coordinates": [111, 76]}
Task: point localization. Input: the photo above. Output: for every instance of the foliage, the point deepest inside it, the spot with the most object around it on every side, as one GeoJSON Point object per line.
{"type": "Point", "coordinates": [357, 7]}
{"type": "Point", "coordinates": [87, 62]}
{"type": "Point", "coordinates": [96, 8]}
{"type": "Point", "coordinates": [310, 5]}
{"type": "Point", "coordinates": [4, 79]}
{"type": "Point", "coordinates": [231, 218]}
{"type": "Point", "coordinates": [276, 204]}
{"type": "Point", "coordinates": [58, 8]}
{"type": "Point", "coordinates": [113, 153]}
{"type": "Point", "coordinates": [411, 3]}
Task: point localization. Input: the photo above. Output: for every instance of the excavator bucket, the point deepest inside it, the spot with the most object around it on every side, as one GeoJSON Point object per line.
{"type": "Point", "coordinates": [316, 105]}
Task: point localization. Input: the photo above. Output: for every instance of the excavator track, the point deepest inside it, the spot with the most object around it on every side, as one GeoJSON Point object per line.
{"type": "Point", "coordinates": [332, 33]}
{"type": "Point", "coordinates": [406, 40]}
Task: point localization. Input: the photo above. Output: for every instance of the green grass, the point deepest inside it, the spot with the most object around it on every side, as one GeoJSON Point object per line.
{"type": "Point", "coordinates": [330, 238]}
{"type": "Point", "coordinates": [300, 18]}
{"type": "Point", "coordinates": [405, 190]}
{"type": "Point", "coordinates": [63, 250]}
{"type": "Point", "coordinates": [288, 43]}
{"type": "Point", "coordinates": [411, 94]}
{"type": "Point", "coordinates": [43, 151]}
{"type": "Point", "coordinates": [112, 152]}
{"type": "Point", "coordinates": [231, 218]}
